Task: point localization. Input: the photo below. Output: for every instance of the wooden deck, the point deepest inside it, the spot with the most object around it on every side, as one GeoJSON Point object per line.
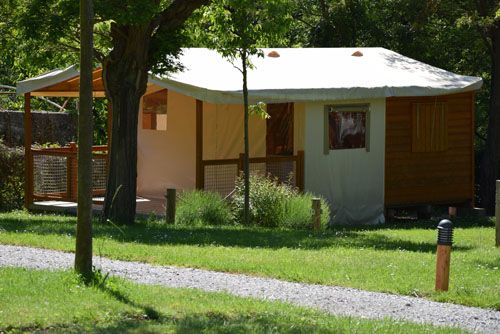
{"type": "Point", "coordinates": [145, 206]}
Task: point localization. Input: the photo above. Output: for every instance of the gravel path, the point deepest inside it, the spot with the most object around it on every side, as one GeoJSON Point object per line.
{"type": "Point", "coordinates": [334, 300]}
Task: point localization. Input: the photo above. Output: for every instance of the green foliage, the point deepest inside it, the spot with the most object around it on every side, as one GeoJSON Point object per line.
{"type": "Point", "coordinates": [202, 208]}
{"type": "Point", "coordinates": [11, 177]}
{"type": "Point", "coordinates": [235, 27]}
{"type": "Point", "coordinates": [299, 212]}
{"type": "Point", "coordinates": [273, 204]}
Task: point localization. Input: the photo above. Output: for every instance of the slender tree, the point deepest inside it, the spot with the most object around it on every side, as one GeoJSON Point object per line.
{"type": "Point", "coordinates": [83, 251]}
{"type": "Point", "coordinates": [236, 29]}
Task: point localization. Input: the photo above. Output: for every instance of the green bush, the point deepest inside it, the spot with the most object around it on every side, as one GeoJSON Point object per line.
{"type": "Point", "coordinates": [11, 178]}
{"type": "Point", "coordinates": [197, 207]}
{"type": "Point", "coordinates": [273, 204]}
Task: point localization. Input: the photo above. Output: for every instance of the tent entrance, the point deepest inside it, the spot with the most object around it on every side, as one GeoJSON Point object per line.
{"type": "Point", "coordinates": [279, 133]}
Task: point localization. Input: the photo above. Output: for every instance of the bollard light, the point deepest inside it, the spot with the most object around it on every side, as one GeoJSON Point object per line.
{"type": "Point", "coordinates": [444, 243]}
{"type": "Point", "coordinates": [445, 233]}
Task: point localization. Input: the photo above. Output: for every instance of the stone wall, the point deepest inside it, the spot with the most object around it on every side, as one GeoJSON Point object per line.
{"type": "Point", "coordinates": [48, 127]}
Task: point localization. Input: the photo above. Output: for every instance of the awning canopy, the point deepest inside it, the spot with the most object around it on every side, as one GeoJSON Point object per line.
{"type": "Point", "coordinates": [298, 74]}
{"type": "Point", "coordinates": [60, 82]}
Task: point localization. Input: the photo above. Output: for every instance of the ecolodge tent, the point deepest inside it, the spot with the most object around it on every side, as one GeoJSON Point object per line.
{"type": "Point", "coordinates": [375, 129]}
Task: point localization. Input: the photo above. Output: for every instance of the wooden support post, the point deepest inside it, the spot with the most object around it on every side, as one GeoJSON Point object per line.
{"type": "Point", "coordinates": [300, 170]}
{"type": "Point", "coordinates": [452, 211]}
{"type": "Point", "coordinates": [443, 267]}
{"type": "Point", "coordinates": [200, 170]}
{"type": "Point", "coordinates": [171, 198]}
{"type": "Point", "coordinates": [28, 155]}
{"type": "Point", "coordinates": [316, 217]}
{"type": "Point", "coordinates": [497, 215]}
{"type": "Point", "coordinates": [241, 160]}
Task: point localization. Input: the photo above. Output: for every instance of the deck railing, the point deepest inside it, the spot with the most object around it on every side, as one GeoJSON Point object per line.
{"type": "Point", "coordinates": [221, 175]}
{"type": "Point", "coordinates": [55, 172]}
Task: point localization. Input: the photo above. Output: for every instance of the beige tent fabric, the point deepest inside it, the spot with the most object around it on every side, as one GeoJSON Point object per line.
{"type": "Point", "coordinates": [223, 132]}
{"type": "Point", "coordinates": [351, 180]}
{"type": "Point", "coordinates": [167, 158]}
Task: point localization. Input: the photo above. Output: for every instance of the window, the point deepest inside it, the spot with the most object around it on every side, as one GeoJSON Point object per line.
{"type": "Point", "coordinates": [430, 127]}
{"type": "Point", "coordinates": [346, 127]}
{"type": "Point", "coordinates": [154, 111]}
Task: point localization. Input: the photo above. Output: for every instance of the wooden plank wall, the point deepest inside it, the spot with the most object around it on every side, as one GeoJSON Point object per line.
{"type": "Point", "coordinates": [445, 177]}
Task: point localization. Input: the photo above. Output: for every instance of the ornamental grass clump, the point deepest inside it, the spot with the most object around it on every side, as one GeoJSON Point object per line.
{"type": "Point", "coordinates": [275, 204]}
{"type": "Point", "coordinates": [200, 208]}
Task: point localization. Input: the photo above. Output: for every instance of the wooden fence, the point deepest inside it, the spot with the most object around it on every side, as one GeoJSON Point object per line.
{"type": "Point", "coordinates": [221, 175]}
{"type": "Point", "coordinates": [54, 173]}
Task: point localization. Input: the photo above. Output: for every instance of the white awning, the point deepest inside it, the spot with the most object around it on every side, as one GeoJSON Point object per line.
{"type": "Point", "coordinates": [47, 79]}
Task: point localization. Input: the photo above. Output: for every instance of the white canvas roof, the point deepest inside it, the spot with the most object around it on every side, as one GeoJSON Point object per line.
{"type": "Point", "coordinates": [47, 79]}
{"type": "Point", "coordinates": [303, 74]}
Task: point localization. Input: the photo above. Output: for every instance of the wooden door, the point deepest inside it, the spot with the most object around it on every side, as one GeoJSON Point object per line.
{"type": "Point", "coordinates": [279, 133]}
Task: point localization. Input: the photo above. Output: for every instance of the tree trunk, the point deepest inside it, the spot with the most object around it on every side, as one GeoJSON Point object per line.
{"type": "Point", "coordinates": [490, 164]}
{"type": "Point", "coordinates": [83, 249]}
{"type": "Point", "coordinates": [246, 163]}
{"type": "Point", "coordinates": [125, 74]}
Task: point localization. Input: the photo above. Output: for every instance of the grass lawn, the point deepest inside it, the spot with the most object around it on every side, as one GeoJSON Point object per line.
{"type": "Point", "coordinates": [397, 257]}
{"type": "Point", "coordinates": [55, 302]}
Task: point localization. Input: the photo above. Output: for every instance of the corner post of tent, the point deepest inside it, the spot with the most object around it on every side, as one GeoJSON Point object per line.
{"type": "Point", "coordinates": [28, 154]}
{"type": "Point", "coordinates": [299, 165]}
{"type": "Point", "coordinates": [200, 173]}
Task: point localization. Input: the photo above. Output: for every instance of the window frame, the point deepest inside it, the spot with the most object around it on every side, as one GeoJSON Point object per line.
{"type": "Point", "coordinates": [153, 115]}
{"type": "Point", "coordinates": [355, 107]}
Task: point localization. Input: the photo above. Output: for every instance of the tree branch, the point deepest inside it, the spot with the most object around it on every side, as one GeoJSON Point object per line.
{"type": "Point", "coordinates": [176, 14]}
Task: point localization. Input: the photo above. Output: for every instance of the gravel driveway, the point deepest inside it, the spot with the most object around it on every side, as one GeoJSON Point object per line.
{"type": "Point", "coordinates": [332, 299]}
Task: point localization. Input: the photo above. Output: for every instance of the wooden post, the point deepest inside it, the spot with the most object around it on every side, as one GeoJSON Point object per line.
{"type": "Point", "coordinates": [443, 267]}
{"type": "Point", "coordinates": [300, 170]}
{"type": "Point", "coordinates": [316, 218]}
{"type": "Point", "coordinates": [28, 155]}
{"type": "Point", "coordinates": [497, 215]}
{"type": "Point", "coordinates": [241, 160]}
{"type": "Point", "coordinates": [171, 198]}
{"type": "Point", "coordinates": [200, 172]}
{"type": "Point", "coordinates": [452, 211]}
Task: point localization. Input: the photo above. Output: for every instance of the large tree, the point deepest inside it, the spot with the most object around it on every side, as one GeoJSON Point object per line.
{"type": "Point", "coordinates": [83, 250]}
{"type": "Point", "coordinates": [486, 17]}
{"type": "Point", "coordinates": [136, 37]}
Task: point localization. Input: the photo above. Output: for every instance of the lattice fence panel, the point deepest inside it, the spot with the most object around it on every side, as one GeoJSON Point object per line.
{"type": "Point", "coordinates": [49, 174]}
{"type": "Point", "coordinates": [99, 173]}
{"type": "Point", "coordinates": [284, 171]}
{"type": "Point", "coordinates": [221, 178]}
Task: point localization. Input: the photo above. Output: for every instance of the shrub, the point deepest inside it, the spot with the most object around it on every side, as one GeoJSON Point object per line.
{"type": "Point", "coordinates": [273, 204]}
{"type": "Point", "coordinates": [202, 208]}
{"type": "Point", "coordinates": [11, 177]}
{"type": "Point", "coordinates": [299, 212]}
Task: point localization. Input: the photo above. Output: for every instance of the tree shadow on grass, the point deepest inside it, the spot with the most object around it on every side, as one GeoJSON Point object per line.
{"type": "Point", "coordinates": [199, 323]}
{"type": "Point", "coordinates": [154, 233]}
